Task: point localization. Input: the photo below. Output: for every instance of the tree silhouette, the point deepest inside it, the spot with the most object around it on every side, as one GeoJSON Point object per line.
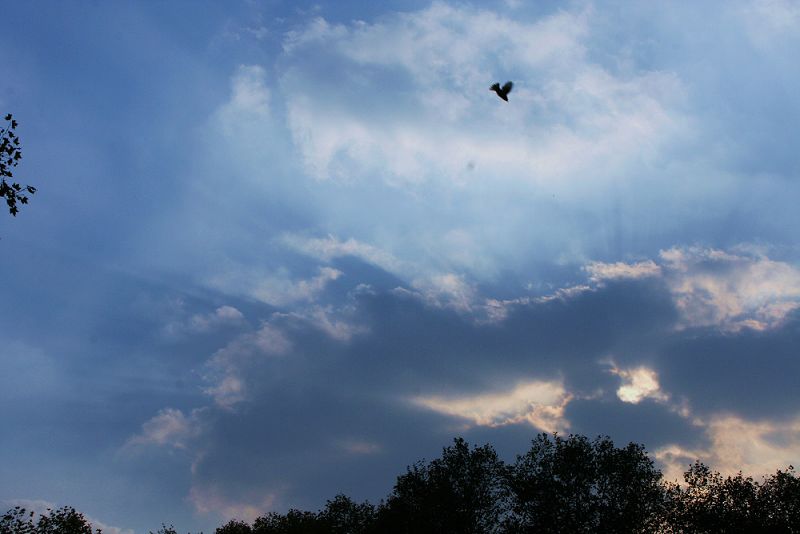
{"type": "Point", "coordinates": [294, 522]}
{"type": "Point", "coordinates": [342, 515]}
{"type": "Point", "coordinates": [64, 520]}
{"type": "Point", "coordinates": [234, 526]}
{"type": "Point", "coordinates": [710, 503]}
{"type": "Point", "coordinates": [576, 485]}
{"type": "Point", "coordinates": [463, 491]}
{"type": "Point", "coordinates": [10, 154]}
{"type": "Point", "coordinates": [561, 484]}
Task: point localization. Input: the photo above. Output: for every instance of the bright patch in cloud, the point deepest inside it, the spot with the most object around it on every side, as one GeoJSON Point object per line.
{"type": "Point", "coordinates": [731, 290]}
{"type": "Point", "coordinates": [756, 448]}
{"type": "Point", "coordinates": [538, 403]}
{"type": "Point", "coordinates": [638, 383]}
{"type": "Point", "coordinates": [599, 271]}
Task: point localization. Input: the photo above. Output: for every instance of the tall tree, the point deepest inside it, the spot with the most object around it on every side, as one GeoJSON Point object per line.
{"type": "Point", "coordinates": [460, 492]}
{"type": "Point", "coordinates": [576, 485]}
{"type": "Point", "coordinates": [10, 154]}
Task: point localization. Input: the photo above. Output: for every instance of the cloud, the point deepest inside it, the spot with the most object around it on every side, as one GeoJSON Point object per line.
{"type": "Point", "coordinates": [638, 383]}
{"type": "Point", "coordinates": [754, 447]}
{"type": "Point", "coordinates": [249, 99]}
{"type": "Point", "coordinates": [767, 20]}
{"type": "Point", "coordinates": [539, 403]}
{"type": "Point", "coordinates": [448, 290]}
{"type": "Point", "coordinates": [279, 292]}
{"type": "Point", "coordinates": [599, 271]}
{"type": "Point", "coordinates": [201, 323]}
{"type": "Point", "coordinates": [731, 290]}
{"type": "Point", "coordinates": [277, 289]}
{"type": "Point", "coordinates": [169, 428]}
{"type": "Point", "coordinates": [225, 367]}
{"type": "Point", "coordinates": [208, 499]}
{"type": "Point", "coordinates": [330, 247]}
{"type": "Point", "coordinates": [333, 322]}
{"type": "Point", "coordinates": [443, 56]}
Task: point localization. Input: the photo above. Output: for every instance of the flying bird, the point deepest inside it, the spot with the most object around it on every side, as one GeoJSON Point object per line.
{"type": "Point", "coordinates": [502, 92]}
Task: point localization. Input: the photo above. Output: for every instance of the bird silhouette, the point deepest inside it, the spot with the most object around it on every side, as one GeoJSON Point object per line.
{"type": "Point", "coordinates": [502, 92]}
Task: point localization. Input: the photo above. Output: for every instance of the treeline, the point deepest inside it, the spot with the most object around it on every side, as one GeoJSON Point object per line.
{"type": "Point", "coordinates": [560, 485]}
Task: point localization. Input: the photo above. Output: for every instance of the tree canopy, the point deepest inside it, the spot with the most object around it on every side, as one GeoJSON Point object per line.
{"type": "Point", "coordinates": [10, 154]}
{"type": "Point", "coordinates": [64, 520]}
{"type": "Point", "coordinates": [560, 485]}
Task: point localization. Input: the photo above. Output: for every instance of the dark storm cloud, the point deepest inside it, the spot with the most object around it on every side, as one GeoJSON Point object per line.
{"type": "Point", "coordinates": [750, 372]}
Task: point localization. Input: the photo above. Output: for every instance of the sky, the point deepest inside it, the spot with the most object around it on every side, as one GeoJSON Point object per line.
{"type": "Point", "coordinates": [282, 250]}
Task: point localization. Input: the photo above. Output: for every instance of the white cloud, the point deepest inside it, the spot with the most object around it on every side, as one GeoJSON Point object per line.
{"type": "Point", "coordinates": [170, 428]}
{"type": "Point", "coordinates": [330, 247]}
{"type": "Point", "coordinates": [227, 391]}
{"type": "Point", "coordinates": [756, 448]}
{"type": "Point", "coordinates": [539, 403]}
{"type": "Point", "coordinates": [594, 118]}
{"type": "Point", "coordinates": [599, 271]}
{"type": "Point", "coordinates": [281, 291]}
{"type": "Point", "coordinates": [199, 323]}
{"type": "Point", "coordinates": [448, 290]}
{"type": "Point", "coordinates": [731, 290]}
{"type": "Point", "coordinates": [638, 383]}
{"type": "Point", "coordinates": [277, 288]}
{"type": "Point", "coordinates": [331, 321]}
{"type": "Point", "coordinates": [249, 100]}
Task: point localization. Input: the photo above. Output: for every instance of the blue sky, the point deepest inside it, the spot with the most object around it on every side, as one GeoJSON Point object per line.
{"type": "Point", "coordinates": [282, 250]}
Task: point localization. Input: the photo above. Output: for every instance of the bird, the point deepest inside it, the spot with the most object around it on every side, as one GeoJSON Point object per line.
{"type": "Point", "coordinates": [502, 92]}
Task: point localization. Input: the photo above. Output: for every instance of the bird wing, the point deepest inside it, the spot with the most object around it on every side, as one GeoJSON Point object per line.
{"type": "Point", "coordinates": [507, 87]}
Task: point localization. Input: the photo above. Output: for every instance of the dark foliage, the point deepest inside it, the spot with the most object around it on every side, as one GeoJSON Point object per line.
{"type": "Point", "coordinates": [560, 485]}
{"type": "Point", "coordinates": [10, 154]}
{"type": "Point", "coordinates": [577, 485]}
{"type": "Point", "coordinates": [710, 503]}
{"type": "Point", "coordinates": [463, 491]}
{"type": "Point", "coordinates": [64, 520]}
